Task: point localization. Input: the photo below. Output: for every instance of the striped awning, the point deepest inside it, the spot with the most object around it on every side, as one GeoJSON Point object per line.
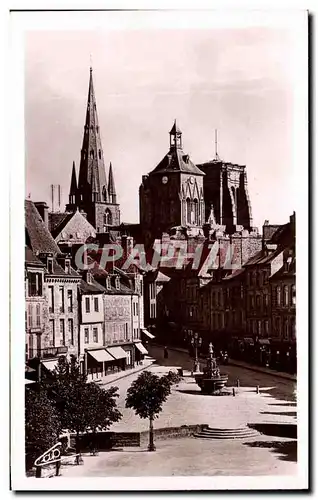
{"type": "Point", "coordinates": [117, 352]}
{"type": "Point", "coordinates": [141, 348]}
{"type": "Point", "coordinates": [50, 364]}
{"type": "Point", "coordinates": [101, 355]}
{"type": "Point", "coordinates": [147, 333]}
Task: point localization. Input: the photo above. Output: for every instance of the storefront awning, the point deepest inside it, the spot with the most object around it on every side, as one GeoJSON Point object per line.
{"type": "Point", "coordinates": [117, 352]}
{"type": "Point", "coordinates": [27, 382]}
{"type": "Point", "coordinates": [141, 348]}
{"type": "Point", "coordinates": [101, 355]}
{"type": "Point", "coordinates": [50, 364]}
{"type": "Point", "coordinates": [147, 333]}
{"type": "Point", "coordinates": [264, 341]}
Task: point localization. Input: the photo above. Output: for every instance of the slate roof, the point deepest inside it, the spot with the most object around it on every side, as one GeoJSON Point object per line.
{"type": "Point", "coordinates": [91, 288]}
{"type": "Point", "coordinates": [38, 237]}
{"type": "Point", "coordinates": [31, 259]}
{"type": "Point", "coordinates": [57, 221]}
{"type": "Point", "coordinates": [177, 161]}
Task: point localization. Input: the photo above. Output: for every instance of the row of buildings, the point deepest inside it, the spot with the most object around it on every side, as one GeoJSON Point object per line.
{"type": "Point", "coordinates": [248, 308]}
{"type": "Point", "coordinates": [95, 315]}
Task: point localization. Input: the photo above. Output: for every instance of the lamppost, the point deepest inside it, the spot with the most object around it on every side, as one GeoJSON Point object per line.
{"type": "Point", "coordinates": [196, 342]}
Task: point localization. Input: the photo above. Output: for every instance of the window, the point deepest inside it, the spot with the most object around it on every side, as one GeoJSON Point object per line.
{"type": "Point", "coordinates": [266, 328]}
{"type": "Point", "coordinates": [67, 266]}
{"type": "Point", "coordinates": [286, 332]}
{"type": "Point", "coordinates": [99, 154]}
{"type": "Point", "coordinates": [293, 295]}
{"type": "Point", "coordinates": [61, 290]}
{"type": "Point", "coordinates": [252, 303]}
{"type": "Point", "coordinates": [52, 332]}
{"type": "Point", "coordinates": [126, 331]}
{"type": "Point", "coordinates": [117, 283]}
{"type": "Point", "coordinates": [87, 304]}
{"type": "Point", "coordinates": [38, 315]}
{"type": "Point", "coordinates": [259, 327]}
{"type": "Point", "coordinates": [286, 296]}
{"type": "Point", "coordinates": [277, 326]}
{"type": "Point", "coordinates": [70, 332]}
{"type": "Point", "coordinates": [70, 301]}
{"type": "Point", "coordinates": [95, 334]}
{"type": "Point", "coordinates": [258, 301]}
{"type": "Point", "coordinates": [50, 265]}
{"type": "Point", "coordinates": [62, 332]}
{"type": "Point", "coordinates": [108, 283]}
{"type": "Point", "coordinates": [86, 336]}
{"type": "Point", "coordinates": [96, 308]}
{"type": "Point", "coordinates": [293, 328]}
{"type": "Point", "coordinates": [51, 299]}
{"type": "Point", "coordinates": [30, 315]}
{"type": "Point", "coordinates": [34, 284]}
{"type": "Point", "coordinates": [264, 277]}
{"type": "Point", "coordinates": [107, 218]}
{"type": "Point", "coordinates": [265, 300]}
{"type": "Point", "coordinates": [278, 295]}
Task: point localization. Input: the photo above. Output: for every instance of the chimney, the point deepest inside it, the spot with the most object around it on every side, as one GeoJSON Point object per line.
{"type": "Point", "coordinates": [43, 210]}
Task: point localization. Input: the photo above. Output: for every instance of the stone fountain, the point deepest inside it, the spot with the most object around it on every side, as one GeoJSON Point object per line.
{"type": "Point", "coordinates": [211, 381]}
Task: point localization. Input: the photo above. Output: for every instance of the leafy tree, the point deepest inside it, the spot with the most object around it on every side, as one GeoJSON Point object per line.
{"type": "Point", "coordinates": [146, 396]}
{"type": "Point", "coordinates": [82, 406]}
{"type": "Point", "coordinates": [42, 425]}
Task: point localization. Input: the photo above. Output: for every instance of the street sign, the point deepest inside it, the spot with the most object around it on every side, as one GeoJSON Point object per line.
{"type": "Point", "coordinates": [50, 456]}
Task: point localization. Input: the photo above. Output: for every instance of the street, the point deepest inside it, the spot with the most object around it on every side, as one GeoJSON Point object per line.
{"type": "Point", "coordinates": [279, 388]}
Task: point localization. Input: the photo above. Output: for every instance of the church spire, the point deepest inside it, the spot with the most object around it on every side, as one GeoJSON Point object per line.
{"type": "Point", "coordinates": [175, 137]}
{"type": "Point", "coordinates": [92, 175]}
{"type": "Point", "coordinates": [111, 186]}
{"type": "Point", "coordinates": [72, 197]}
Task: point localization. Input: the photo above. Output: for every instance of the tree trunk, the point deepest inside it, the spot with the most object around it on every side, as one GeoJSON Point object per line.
{"type": "Point", "coordinates": [151, 446]}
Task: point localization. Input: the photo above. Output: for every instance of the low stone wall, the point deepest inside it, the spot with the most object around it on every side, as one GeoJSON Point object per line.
{"type": "Point", "coordinates": [172, 432]}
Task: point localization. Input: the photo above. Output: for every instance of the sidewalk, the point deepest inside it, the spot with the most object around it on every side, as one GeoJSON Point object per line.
{"type": "Point", "coordinates": [109, 379]}
{"type": "Point", "coordinates": [243, 364]}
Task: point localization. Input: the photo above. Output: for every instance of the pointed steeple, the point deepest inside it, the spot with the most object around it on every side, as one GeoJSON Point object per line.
{"type": "Point", "coordinates": [175, 137]}
{"type": "Point", "coordinates": [73, 187]}
{"type": "Point", "coordinates": [72, 197]}
{"type": "Point", "coordinates": [111, 186]}
{"type": "Point", "coordinates": [92, 168]}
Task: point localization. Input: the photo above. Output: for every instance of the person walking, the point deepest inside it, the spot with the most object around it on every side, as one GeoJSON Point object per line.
{"type": "Point", "coordinates": [165, 353]}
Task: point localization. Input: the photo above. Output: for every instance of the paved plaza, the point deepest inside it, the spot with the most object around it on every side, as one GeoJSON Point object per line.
{"type": "Point", "coordinates": [263, 455]}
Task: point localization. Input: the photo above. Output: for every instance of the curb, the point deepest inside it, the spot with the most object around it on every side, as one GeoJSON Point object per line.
{"type": "Point", "coordinates": [127, 374]}
{"type": "Point", "coordinates": [254, 368]}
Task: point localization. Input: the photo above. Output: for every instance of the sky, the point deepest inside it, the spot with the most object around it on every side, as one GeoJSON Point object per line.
{"type": "Point", "coordinates": [238, 81]}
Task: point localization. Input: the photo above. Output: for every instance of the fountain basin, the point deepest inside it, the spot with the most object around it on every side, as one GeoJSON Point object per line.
{"type": "Point", "coordinates": [210, 385]}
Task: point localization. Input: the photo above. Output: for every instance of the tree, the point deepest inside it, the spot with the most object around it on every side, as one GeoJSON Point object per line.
{"type": "Point", "coordinates": [146, 396]}
{"type": "Point", "coordinates": [82, 406]}
{"type": "Point", "coordinates": [42, 425]}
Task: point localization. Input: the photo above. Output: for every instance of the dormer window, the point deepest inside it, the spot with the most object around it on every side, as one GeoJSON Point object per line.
{"type": "Point", "coordinates": [108, 283]}
{"type": "Point", "coordinates": [49, 264]}
{"type": "Point", "coordinates": [117, 283]}
{"type": "Point", "coordinates": [67, 266]}
{"type": "Point", "coordinates": [89, 278]}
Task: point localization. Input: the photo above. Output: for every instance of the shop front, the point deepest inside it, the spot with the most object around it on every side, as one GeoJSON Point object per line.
{"type": "Point", "coordinates": [140, 353]}
{"type": "Point", "coordinates": [99, 362]}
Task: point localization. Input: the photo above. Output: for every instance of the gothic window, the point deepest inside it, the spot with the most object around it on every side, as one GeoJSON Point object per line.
{"type": "Point", "coordinates": [97, 129]}
{"type": "Point", "coordinates": [196, 212]}
{"type": "Point", "coordinates": [286, 297]}
{"type": "Point", "coordinates": [293, 295]}
{"type": "Point", "coordinates": [99, 154]}
{"type": "Point", "coordinates": [92, 153]}
{"type": "Point", "coordinates": [104, 193]}
{"type": "Point", "coordinates": [107, 218]}
{"type": "Point", "coordinates": [188, 203]}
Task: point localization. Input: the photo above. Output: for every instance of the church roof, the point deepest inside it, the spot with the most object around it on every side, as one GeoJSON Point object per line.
{"type": "Point", "coordinates": [58, 221]}
{"type": "Point", "coordinates": [111, 182]}
{"type": "Point", "coordinates": [177, 161]}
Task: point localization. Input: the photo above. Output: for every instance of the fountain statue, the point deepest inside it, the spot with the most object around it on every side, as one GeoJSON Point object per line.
{"type": "Point", "coordinates": [211, 381]}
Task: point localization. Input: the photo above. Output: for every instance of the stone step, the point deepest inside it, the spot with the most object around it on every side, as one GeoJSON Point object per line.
{"type": "Point", "coordinates": [219, 433]}
{"type": "Point", "coordinates": [224, 436]}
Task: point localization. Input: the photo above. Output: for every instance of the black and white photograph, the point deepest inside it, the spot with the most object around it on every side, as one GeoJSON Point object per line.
{"type": "Point", "coordinates": [165, 166]}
